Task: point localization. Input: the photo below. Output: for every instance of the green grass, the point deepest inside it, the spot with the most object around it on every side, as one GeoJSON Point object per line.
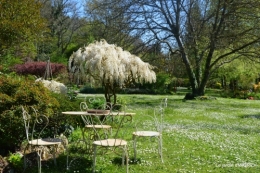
{"type": "Point", "coordinates": [219, 136]}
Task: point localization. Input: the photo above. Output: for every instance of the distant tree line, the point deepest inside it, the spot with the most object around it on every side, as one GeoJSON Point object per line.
{"type": "Point", "coordinates": [204, 41]}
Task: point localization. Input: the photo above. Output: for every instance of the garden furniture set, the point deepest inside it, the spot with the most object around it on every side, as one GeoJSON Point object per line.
{"type": "Point", "coordinates": [103, 130]}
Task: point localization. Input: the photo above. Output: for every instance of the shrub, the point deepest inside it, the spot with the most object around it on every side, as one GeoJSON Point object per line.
{"type": "Point", "coordinates": [17, 91]}
{"type": "Point", "coordinates": [14, 92]}
{"type": "Point", "coordinates": [8, 60]}
{"type": "Point", "coordinates": [88, 89]}
{"type": "Point", "coordinates": [256, 87]}
{"type": "Point", "coordinates": [54, 86]}
{"type": "Point", "coordinates": [16, 161]}
{"type": "Point", "coordinates": [217, 85]}
{"type": "Point", "coordinates": [65, 104]}
{"type": "Point", "coordinates": [97, 104]}
{"type": "Point", "coordinates": [38, 68]}
{"type": "Point", "coordinates": [257, 96]}
{"type": "Point", "coordinates": [243, 94]}
{"type": "Point", "coordinates": [162, 82]}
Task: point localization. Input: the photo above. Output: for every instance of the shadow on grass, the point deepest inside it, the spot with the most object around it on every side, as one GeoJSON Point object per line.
{"type": "Point", "coordinates": [131, 161]}
{"type": "Point", "coordinates": [80, 164]}
{"type": "Point", "coordinates": [77, 164]}
{"type": "Point", "coordinates": [48, 165]}
{"type": "Point", "coordinates": [251, 116]}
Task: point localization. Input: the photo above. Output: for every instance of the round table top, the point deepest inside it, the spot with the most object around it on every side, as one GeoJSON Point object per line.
{"type": "Point", "coordinates": [87, 113]}
{"type": "Point", "coordinates": [75, 113]}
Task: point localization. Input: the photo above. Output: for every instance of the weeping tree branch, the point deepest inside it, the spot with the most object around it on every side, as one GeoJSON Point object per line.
{"type": "Point", "coordinates": [111, 65]}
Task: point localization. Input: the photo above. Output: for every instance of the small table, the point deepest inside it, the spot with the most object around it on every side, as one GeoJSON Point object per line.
{"type": "Point", "coordinates": [127, 114]}
{"type": "Point", "coordinates": [87, 113]}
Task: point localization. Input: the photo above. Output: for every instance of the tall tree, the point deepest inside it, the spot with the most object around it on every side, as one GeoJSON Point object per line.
{"type": "Point", "coordinates": [109, 66]}
{"type": "Point", "coordinates": [205, 33]}
{"type": "Point", "coordinates": [242, 72]}
{"type": "Point", "coordinates": [64, 20]}
{"type": "Point", "coordinates": [109, 21]}
{"type": "Point", "coordinates": [21, 25]}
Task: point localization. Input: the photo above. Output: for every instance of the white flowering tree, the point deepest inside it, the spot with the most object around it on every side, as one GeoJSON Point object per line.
{"type": "Point", "coordinates": [109, 66]}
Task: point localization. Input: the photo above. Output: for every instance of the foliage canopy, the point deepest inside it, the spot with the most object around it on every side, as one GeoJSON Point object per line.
{"type": "Point", "coordinates": [110, 66]}
{"type": "Point", "coordinates": [205, 34]}
{"type": "Point", "coordinates": [21, 24]}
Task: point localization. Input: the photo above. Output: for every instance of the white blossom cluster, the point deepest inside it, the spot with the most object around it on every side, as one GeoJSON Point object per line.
{"type": "Point", "coordinates": [54, 86]}
{"type": "Point", "coordinates": [105, 62]}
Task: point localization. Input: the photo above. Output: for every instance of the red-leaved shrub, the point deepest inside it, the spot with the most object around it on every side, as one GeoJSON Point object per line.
{"type": "Point", "coordinates": [38, 68]}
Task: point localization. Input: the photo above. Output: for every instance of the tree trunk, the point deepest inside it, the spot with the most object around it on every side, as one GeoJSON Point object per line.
{"type": "Point", "coordinates": [224, 82]}
{"type": "Point", "coordinates": [109, 93]}
{"type": "Point", "coordinates": [233, 85]}
{"type": "Point", "coordinates": [198, 89]}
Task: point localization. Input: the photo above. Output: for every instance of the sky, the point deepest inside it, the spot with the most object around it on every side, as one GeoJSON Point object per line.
{"type": "Point", "coordinates": [81, 5]}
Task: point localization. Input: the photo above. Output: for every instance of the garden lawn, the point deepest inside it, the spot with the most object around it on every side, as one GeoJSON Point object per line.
{"type": "Point", "coordinates": [215, 135]}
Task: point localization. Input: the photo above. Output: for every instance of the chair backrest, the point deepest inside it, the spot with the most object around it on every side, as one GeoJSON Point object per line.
{"type": "Point", "coordinates": [160, 112]}
{"type": "Point", "coordinates": [164, 102]}
{"type": "Point", "coordinates": [153, 118]}
{"type": "Point", "coordinates": [96, 102]}
{"type": "Point", "coordinates": [34, 123]}
{"type": "Point", "coordinates": [84, 107]}
{"type": "Point", "coordinates": [118, 122]}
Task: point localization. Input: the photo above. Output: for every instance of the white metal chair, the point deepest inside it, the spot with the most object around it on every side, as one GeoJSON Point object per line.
{"type": "Point", "coordinates": [156, 133]}
{"type": "Point", "coordinates": [35, 123]}
{"type": "Point", "coordinates": [88, 124]}
{"type": "Point", "coordinates": [113, 142]}
{"type": "Point", "coordinates": [88, 121]}
{"type": "Point", "coordinates": [92, 127]}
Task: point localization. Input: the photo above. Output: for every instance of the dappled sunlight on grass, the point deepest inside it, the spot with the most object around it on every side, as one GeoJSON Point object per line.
{"type": "Point", "coordinates": [199, 136]}
{"type": "Point", "coordinates": [209, 136]}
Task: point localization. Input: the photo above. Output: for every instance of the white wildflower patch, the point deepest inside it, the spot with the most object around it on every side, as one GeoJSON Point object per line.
{"type": "Point", "coordinates": [231, 146]}
{"type": "Point", "coordinates": [221, 139]}
{"type": "Point", "coordinates": [54, 86]}
{"type": "Point", "coordinates": [146, 163]}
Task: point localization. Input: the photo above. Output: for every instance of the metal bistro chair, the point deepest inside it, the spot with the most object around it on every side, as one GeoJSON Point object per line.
{"type": "Point", "coordinates": [92, 127]}
{"type": "Point", "coordinates": [158, 128]}
{"type": "Point", "coordinates": [35, 123]}
{"type": "Point", "coordinates": [91, 124]}
{"type": "Point", "coordinates": [113, 142]}
{"type": "Point", "coordinates": [88, 121]}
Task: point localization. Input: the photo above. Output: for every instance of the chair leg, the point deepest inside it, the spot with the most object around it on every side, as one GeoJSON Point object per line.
{"type": "Point", "coordinates": [67, 153]}
{"type": "Point", "coordinates": [24, 162]}
{"type": "Point", "coordinates": [135, 152]}
{"type": "Point", "coordinates": [54, 155]}
{"type": "Point", "coordinates": [94, 158]}
{"type": "Point", "coordinates": [160, 147]}
{"type": "Point", "coordinates": [39, 161]}
{"type": "Point", "coordinates": [126, 157]}
{"type": "Point", "coordinates": [67, 161]}
{"type": "Point", "coordinates": [24, 157]}
{"type": "Point", "coordinates": [123, 156]}
{"type": "Point", "coordinates": [110, 131]}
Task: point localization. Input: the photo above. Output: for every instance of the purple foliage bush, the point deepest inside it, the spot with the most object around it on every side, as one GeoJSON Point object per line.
{"type": "Point", "coordinates": [38, 68]}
